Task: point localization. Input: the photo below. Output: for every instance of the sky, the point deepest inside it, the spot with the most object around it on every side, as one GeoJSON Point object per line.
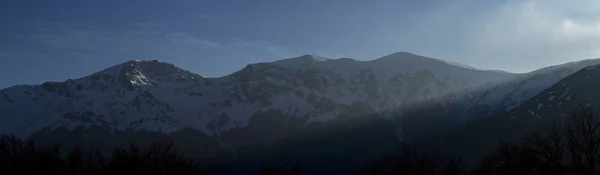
{"type": "Point", "coordinates": [60, 39]}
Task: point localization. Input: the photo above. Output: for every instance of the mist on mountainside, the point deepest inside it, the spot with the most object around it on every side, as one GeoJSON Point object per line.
{"type": "Point", "coordinates": [299, 87]}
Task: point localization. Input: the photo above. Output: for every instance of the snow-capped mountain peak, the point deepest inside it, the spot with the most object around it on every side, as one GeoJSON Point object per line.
{"type": "Point", "coordinates": [158, 96]}
{"type": "Point", "coordinates": [147, 72]}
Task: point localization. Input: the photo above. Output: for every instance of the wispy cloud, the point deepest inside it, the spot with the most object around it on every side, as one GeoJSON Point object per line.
{"type": "Point", "coordinates": [78, 41]}
{"type": "Point", "coordinates": [81, 39]}
{"type": "Point", "coordinates": [277, 51]}
{"type": "Point", "coordinates": [281, 52]}
{"type": "Point", "coordinates": [146, 25]}
{"type": "Point", "coordinates": [543, 31]}
{"type": "Point", "coordinates": [21, 55]}
{"type": "Point", "coordinates": [5, 54]}
{"type": "Point", "coordinates": [187, 39]}
{"type": "Point", "coordinates": [201, 16]}
{"type": "Point", "coordinates": [532, 33]}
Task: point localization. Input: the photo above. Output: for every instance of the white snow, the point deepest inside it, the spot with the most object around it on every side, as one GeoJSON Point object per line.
{"type": "Point", "coordinates": [170, 103]}
{"type": "Point", "coordinates": [181, 99]}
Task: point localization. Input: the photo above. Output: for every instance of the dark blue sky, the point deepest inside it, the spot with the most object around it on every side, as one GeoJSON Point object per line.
{"type": "Point", "coordinates": [54, 40]}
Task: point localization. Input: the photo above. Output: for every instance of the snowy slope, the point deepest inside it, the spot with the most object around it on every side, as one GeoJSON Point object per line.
{"type": "Point", "coordinates": [509, 94]}
{"type": "Point", "coordinates": [549, 107]}
{"type": "Point", "coordinates": [563, 98]}
{"type": "Point", "coordinates": [453, 110]}
{"type": "Point", "coordinates": [157, 96]}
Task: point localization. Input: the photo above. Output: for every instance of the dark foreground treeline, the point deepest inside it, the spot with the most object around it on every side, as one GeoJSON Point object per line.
{"type": "Point", "coordinates": [565, 147]}
{"type": "Point", "coordinates": [19, 157]}
{"type": "Point", "coordinates": [569, 147]}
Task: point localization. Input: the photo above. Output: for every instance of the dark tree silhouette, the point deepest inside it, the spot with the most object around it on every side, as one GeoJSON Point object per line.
{"type": "Point", "coordinates": [157, 159]}
{"type": "Point", "coordinates": [84, 162]}
{"type": "Point", "coordinates": [509, 159]}
{"type": "Point", "coordinates": [571, 147]}
{"type": "Point", "coordinates": [288, 169]}
{"type": "Point", "coordinates": [18, 157]}
{"type": "Point", "coordinates": [583, 133]}
{"type": "Point", "coordinates": [549, 148]}
{"type": "Point", "coordinates": [410, 161]}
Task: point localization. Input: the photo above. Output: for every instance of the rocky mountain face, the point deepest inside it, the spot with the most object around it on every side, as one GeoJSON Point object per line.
{"type": "Point", "coordinates": [510, 94]}
{"type": "Point", "coordinates": [156, 96]}
{"type": "Point", "coordinates": [247, 115]}
{"type": "Point", "coordinates": [303, 108]}
{"type": "Point", "coordinates": [450, 111]}
{"type": "Point", "coordinates": [551, 106]}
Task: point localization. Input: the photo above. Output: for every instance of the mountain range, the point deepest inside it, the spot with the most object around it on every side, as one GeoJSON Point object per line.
{"type": "Point", "coordinates": [300, 108]}
{"type": "Point", "coordinates": [553, 106]}
{"type": "Point", "coordinates": [158, 96]}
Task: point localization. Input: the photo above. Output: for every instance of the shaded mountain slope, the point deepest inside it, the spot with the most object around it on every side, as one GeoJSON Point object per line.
{"type": "Point", "coordinates": [554, 104]}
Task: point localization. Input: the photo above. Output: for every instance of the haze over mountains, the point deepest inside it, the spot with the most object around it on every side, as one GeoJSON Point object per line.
{"type": "Point", "coordinates": [299, 107]}
{"type": "Point", "coordinates": [552, 106]}
{"type": "Point", "coordinates": [161, 97]}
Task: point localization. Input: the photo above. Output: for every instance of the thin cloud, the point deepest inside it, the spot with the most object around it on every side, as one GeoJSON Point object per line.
{"type": "Point", "coordinates": [541, 31]}
{"type": "Point", "coordinates": [5, 54]}
{"type": "Point", "coordinates": [201, 16]}
{"type": "Point", "coordinates": [277, 51]}
{"type": "Point", "coordinates": [513, 35]}
{"type": "Point", "coordinates": [81, 39]}
{"type": "Point", "coordinates": [281, 52]}
{"type": "Point", "coordinates": [187, 39]}
{"type": "Point", "coordinates": [146, 25]}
